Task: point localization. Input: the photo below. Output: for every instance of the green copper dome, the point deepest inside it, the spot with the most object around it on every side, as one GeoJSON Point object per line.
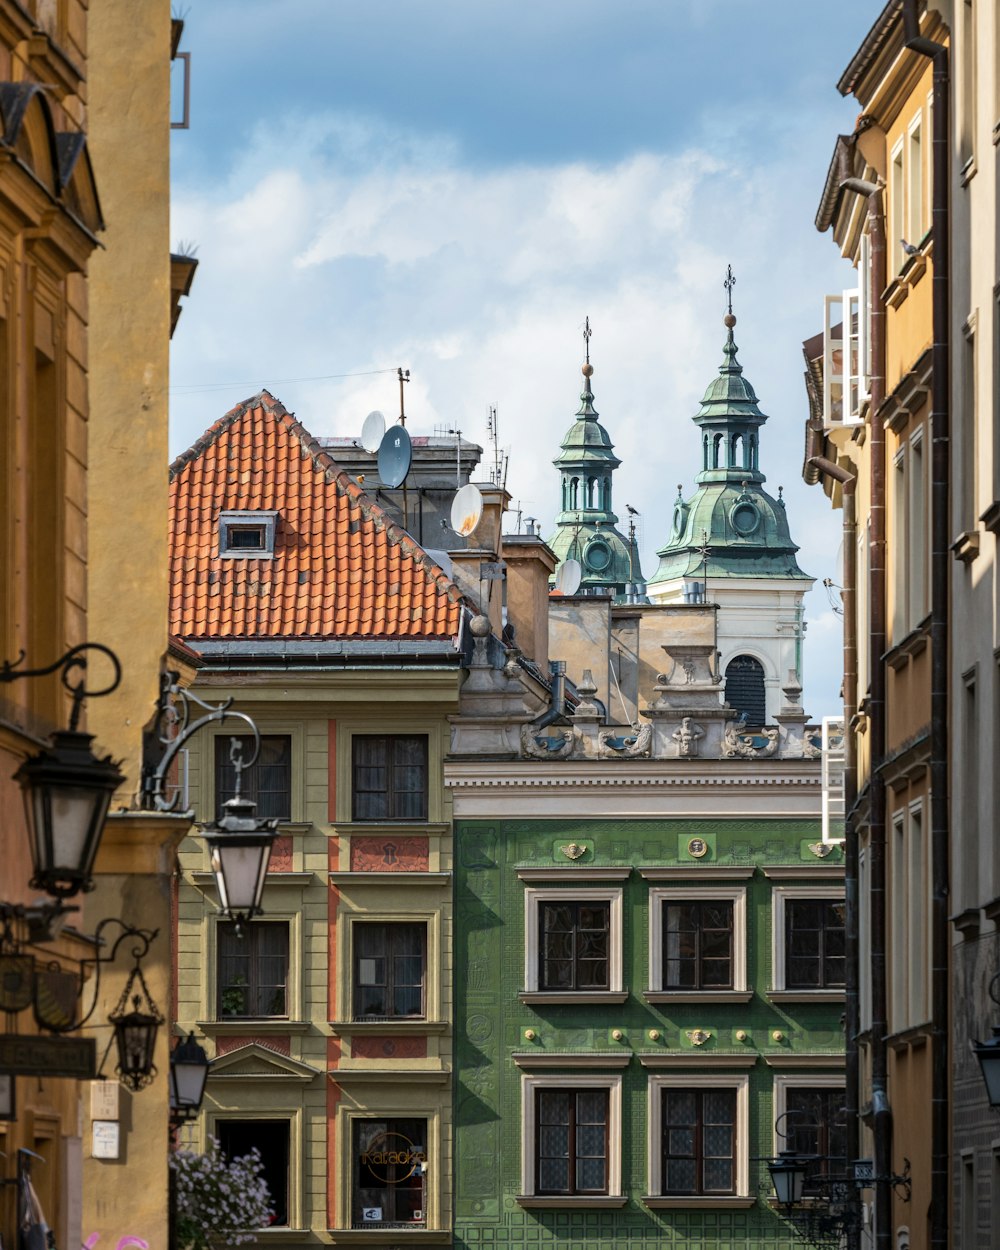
{"type": "Point", "coordinates": [731, 519]}
{"type": "Point", "coordinates": [586, 527]}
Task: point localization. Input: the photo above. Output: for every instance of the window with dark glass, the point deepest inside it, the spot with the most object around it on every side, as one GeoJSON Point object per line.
{"type": "Point", "coordinates": [253, 970]}
{"type": "Point", "coordinates": [814, 944]}
{"type": "Point", "coordinates": [389, 1170]}
{"type": "Point", "coordinates": [271, 1137]}
{"type": "Point", "coordinates": [698, 945]}
{"type": "Point", "coordinates": [571, 1141]}
{"type": "Point", "coordinates": [699, 1141]}
{"type": "Point", "coordinates": [816, 1124]}
{"type": "Point", "coordinates": [268, 781]}
{"type": "Point", "coordinates": [574, 947]}
{"type": "Point", "coordinates": [389, 965]}
{"type": "Point", "coordinates": [389, 776]}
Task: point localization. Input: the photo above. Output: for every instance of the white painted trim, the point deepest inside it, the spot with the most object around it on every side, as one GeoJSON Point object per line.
{"type": "Point", "coordinates": [654, 1125]}
{"type": "Point", "coordinates": [530, 1085]}
{"type": "Point", "coordinates": [684, 894]}
{"type": "Point", "coordinates": [533, 897]}
{"type": "Point", "coordinates": [779, 896]}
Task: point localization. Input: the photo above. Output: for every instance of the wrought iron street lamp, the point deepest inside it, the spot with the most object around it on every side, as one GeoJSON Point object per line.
{"type": "Point", "coordinates": [988, 1053]}
{"type": "Point", "coordinates": [788, 1176]}
{"type": "Point", "coordinates": [188, 1073]}
{"type": "Point", "coordinates": [67, 788]}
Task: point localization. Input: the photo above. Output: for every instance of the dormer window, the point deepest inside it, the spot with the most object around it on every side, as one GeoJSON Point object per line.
{"type": "Point", "coordinates": [247, 534]}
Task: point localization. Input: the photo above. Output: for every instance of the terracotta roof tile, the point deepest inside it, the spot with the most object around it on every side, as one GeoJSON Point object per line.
{"type": "Point", "coordinates": [341, 568]}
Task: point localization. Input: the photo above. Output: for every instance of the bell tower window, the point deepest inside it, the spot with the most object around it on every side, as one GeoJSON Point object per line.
{"type": "Point", "coordinates": [745, 689]}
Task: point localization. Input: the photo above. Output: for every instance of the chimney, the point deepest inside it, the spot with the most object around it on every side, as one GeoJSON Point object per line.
{"type": "Point", "coordinates": [530, 564]}
{"type": "Point", "coordinates": [483, 556]}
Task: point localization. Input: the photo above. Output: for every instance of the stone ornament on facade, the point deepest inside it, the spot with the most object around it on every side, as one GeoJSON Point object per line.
{"type": "Point", "coordinates": [536, 746]}
{"type": "Point", "coordinates": [626, 746]}
{"type": "Point", "coordinates": [821, 849]}
{"type": "Point", "coordinates": [687, 735]}
{"type": "Point", "coordinates": [756, 744]}
{"type": "Point", "coordinates": [573, 851]}
{"type": "Point", "coordinates": [697, 1037]}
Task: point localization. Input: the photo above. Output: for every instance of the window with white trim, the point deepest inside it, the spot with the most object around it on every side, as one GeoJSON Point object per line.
{"type": "Point", "coordinates": [808, 939]}
{"type": "Point", "coordinates": [697, 941]}
{"type": "Point", "coordinates": [247, 535]}
{"type": "Point", "coordinates": [810, 1112]}
{"type": "Point", "coordinates": [915, 214]}
{"type": "Point", "coordinates": [918, 530]}
{"type": "Point", "coordinates": [573, 941]}
{"type": "Point", "coordinates": [571, 1136]}
{"type": "Point", "coordinates": [897, 209]}
{"type": "Point", "coordinates": [699, 1135]}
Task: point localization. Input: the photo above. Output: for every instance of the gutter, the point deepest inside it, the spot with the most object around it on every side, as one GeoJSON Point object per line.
{"type": "Point", "coordinates": [558, 704]}
{"type": "Point", "coordinates": [939, 54]}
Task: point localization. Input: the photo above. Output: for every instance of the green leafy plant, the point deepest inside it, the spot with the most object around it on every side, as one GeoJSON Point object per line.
{"type": "Point", "coordinates": [234, 997]}
{"type": "Point", "coordinates": [219, 1201]}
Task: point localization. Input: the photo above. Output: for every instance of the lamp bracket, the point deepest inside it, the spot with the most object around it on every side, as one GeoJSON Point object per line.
{"type": "Point", "coordinates": [74, 659]}
{"type": "Point", "coordinates": [175, 723]}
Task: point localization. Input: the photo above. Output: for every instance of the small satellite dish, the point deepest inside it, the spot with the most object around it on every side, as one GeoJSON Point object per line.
{"type": "Point", "coordinates": [466, 510]}
{"type": "Point", "coordinates": [394, 455]}
{"type": "Point", "coordinates": [372, 431]}
{"type": "Point", "coordinates": [568, 577]}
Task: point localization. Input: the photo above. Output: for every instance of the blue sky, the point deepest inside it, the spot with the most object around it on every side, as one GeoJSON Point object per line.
{"type": "Point", "coordinates": [453, 186]}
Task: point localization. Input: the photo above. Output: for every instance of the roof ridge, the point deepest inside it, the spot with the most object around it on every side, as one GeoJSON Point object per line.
{"type": "Point", "coordinates": [263, 399]}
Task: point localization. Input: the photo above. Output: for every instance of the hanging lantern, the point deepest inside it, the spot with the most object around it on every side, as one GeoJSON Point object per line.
{"type": "Point", "coordinates": [240, 847]}
{"type": "Point", "coordinates": [67, 792]}
{"type": "Point", "coordinates": [188, 1073]}
{"type": "Point", "coordinates": [988, 1054]}
{"type": "Point", "coordinates": [788, 1176]}
{"type": "Point", "coordinates": [135, 1033]}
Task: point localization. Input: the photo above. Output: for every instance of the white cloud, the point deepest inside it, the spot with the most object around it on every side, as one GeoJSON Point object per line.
{"type": "Point", "coordinates": [337, 247]}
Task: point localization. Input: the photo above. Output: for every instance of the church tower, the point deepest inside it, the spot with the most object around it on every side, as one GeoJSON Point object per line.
{"type": "Point", "coordinates": [586, 527]}
{"type": "Point", "coordinates": [730, 542]}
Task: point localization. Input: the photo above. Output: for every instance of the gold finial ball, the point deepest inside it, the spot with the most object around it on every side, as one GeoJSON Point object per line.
{"type": "Point", "coordinates": [587, 370]}
{"type": "Point", "coordinates": [729, 321]}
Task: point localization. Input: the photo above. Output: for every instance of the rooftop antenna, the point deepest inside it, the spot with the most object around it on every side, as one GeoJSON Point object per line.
{"type": "Point", "coordinates": [404, 376]}
{"type": "Point", "coordinates": [501, 459]}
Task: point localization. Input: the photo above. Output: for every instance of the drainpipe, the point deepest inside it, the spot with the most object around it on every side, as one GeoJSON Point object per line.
{"type": "Point", "coordinates": [940, 574]}
{"type": "Point", "coordinates": [557, 668]}
{"type": "Point", "coordinates": [852, 994]}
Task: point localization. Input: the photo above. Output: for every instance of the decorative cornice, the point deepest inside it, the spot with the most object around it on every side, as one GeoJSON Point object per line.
{"type": "Point", "coordinates": [718, 872]}
{"type": "Point", "coordinates": [623, 776]}
{"type": "Point", "coordinates": [803, 872]}
{"type": "Point", "coordinates": [378, 1075]}
{"type": "Point", "coordinates": [390, 1028]}
{"type": "Point", "coordinates": [806, 1061]}
{"type": "Point", "coordinates": [570, 1059]}
{"type": "Point", "coordinates": [709, 1059]}
{"type": "Point", "coordinates": [389, 878]}
{"type": "Point", "coordinates": [585, 872]}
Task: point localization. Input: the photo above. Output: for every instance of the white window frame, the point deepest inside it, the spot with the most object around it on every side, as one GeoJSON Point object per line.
{"type": "Point", "coordinates": [654, 1100]}
{"type": "Point", "coordinates": [783, 1082]}
{"type": "Point", "coordinates": [532, 940]}
{"type": "Point", "coordinates": [918, 530]}
{"type": "Point", "coordinates": [920, 894]}
{"type": "Point", "coordinates": [264, 519]}
{"type": "Point", "coordinates": [832, 377]}
{"type": "Point", "coordinates": [865, 309]}
{"type": "Point", "coordinates": [897, 205]}
{"type": "Point", "coordinates": [737, 895]}
{"type": "Point", "coordinates": [853, 348]}
{"type": "Point", "coordinates": [780, 895]}
{"type": "Point", "coordinates": [915, 214]}
{"type": "Point", "coordinates": [899, 924]}
{"type": "Point", "coordinates": [530, 1085]}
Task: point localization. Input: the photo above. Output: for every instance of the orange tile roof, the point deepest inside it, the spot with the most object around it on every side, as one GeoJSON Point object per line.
{"type": "Point", "coordinates": [341, 568]}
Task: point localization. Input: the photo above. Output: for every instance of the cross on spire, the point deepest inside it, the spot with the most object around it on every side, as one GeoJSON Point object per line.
{"type": "Point", "coordinates": [587, 332]}
{"type": "Point", "coordinates": [729, 283]}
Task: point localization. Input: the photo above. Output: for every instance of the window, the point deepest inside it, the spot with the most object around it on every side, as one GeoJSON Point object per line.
{"type": "Point", "coordinates": [390, 962]}
{"type": "Point", "coordinates": [833, 359]}
{"type": "Point", "coordinates": [967, 83]}
{"type": "Point", "coordinates": [271, 1137]}
{"type": "Point", "coordinates": [897, 211]}
{"type": "Point", "coordinates": [817, 1125]}
{"type": "Point", "coordinates": [915, 227]}
{"type": "Point", "coordinates": [389, 1173]}
{"type": "Point", "coordinates": [253, 970]}
{"type": "Point", "coordinates": [699, 1142]}
{"type": "Point", "coordinates": [698, 945]}
{"type": "Point", "coordinates": [899, 544]}
{"type": "Point", "coordinates": [745, 689]}
{"type": "Point", "coordinates": [967, 887]}
{"type": "Point", "coordinates": [267, 782]}
{"type": "Point", "coordinates": [808, 940]}
{"type": "Point", "coordinates": [967, 420]}
{"type": "Point", "coordinates": [814, 944]}
{"type": "Point", "coordinates": [247, 534]}
{"type": "Point", "coordinates": [575, 945]}
{"type": "Point", "coordinates": [571, 1138]}
{"type": "Point", "coordinates": [573, 942]}
{"type": "Point", "coordinates": [571, 1141]}
{"type": "Point", "coordinates": [918, 561]}
{"type": "Point", "coordinates": [389, 777]}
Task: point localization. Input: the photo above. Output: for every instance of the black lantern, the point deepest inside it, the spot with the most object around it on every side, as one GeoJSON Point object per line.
{"type": "Point", "coordinates": [988, 1054]}
{"type": "Point", "coordinates": [788, 1176]}
{"type": "Point", "coordinates": [67, 793]}
{"type": "Point", "coordinates": [240, 846]}
{"type": "Point", "coordinates": [188, 1073]}
{"type": "Point", "coordinates": [136, 1030]}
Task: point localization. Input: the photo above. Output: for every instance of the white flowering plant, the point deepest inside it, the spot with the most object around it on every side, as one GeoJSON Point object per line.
{"type": "Point", "coordinates": [220, 1201]}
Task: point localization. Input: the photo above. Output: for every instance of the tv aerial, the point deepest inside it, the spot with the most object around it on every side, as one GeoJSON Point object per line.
{"type": "Point", "coordinates": [372, 431]}
{"type": "Point", "coordinates": [395, 454]}
{"type": "Point", "coordinates": [466, 510]}
{"type": "Point", "coordinates": [568, 577]}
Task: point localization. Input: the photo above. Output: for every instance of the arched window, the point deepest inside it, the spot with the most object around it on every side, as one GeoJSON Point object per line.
{"type": "Point", "coordinates": [716, 449]}
{"type": "Point", "coordinates": [737, 454]}
{"type": "Point", "coordinates": [592, 492]}
{"type": "Point", "coordinates": [745, 689]}
{"type": "Point", "coordinates": [606, 494]}
{"type": "Point", "coordinates": [705, 451]}
{"type": "Point", "coordinates": [574, 488]}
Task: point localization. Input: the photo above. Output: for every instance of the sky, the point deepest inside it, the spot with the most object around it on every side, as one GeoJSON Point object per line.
{"type": "Point", "coordinates": [452, 186]}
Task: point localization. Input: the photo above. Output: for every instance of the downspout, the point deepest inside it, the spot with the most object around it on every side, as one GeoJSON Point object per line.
{"type": "Point", "coordinates": [556, 711]}
{"type": "Point", "coordinates": [852, 992]}
{"type": "Point", "coordinates": [940, 573]}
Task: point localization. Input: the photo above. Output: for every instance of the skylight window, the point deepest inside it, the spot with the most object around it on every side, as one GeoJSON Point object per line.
{"type": "Point", "coordinates": [247, 534]}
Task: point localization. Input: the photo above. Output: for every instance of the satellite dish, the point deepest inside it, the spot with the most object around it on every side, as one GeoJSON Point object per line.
{"type": "Point", "coordinates": [466, 510]}
{"type": "Point", "coordinates": [394, 455]}
{"type": "Point", "coordinates": [568, 577]}
{"type": "Point", "coordinates": [372, 431]}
